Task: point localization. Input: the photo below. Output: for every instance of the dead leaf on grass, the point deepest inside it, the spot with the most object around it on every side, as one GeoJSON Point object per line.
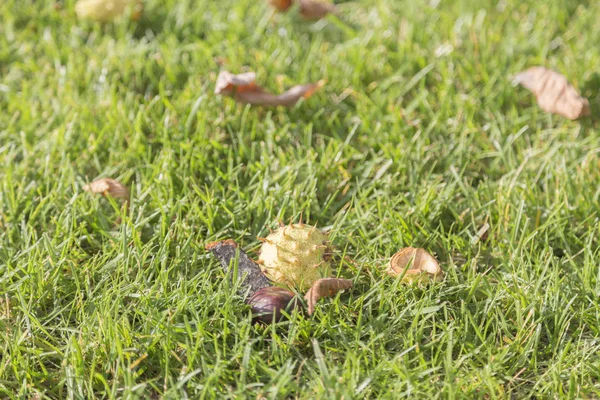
{"type": "Point", "coordinates": [326, 287]}
{"type": "Point", "coordinates": [281, 5]}
{"type": "Point", "coordinates": [554, 93]}
{"type": "Point", "coordinates": [108, 187]}
{"type": "Point", "coordinates": [309, 9]}
{"type": "Point", "coordinates": [314, 9]}
{"type": "Point", "coordinates": [243, 89]}
{"type": "Point", "coordinates": [108, 10]}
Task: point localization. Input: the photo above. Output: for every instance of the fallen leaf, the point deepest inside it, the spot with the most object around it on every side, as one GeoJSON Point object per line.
{"type": "Point", "coordinates": [108, 10]}
{"type": "Point", "coordinates": [243, 89]}
{"type": "Point", "coordinates": [288, 98]}
{"type": "Point", "coordinates": [554, 93]}
{"type": "Point", "coordinates": [314, 9]}
{"type": "Point", "coordinates": [108, 187]}
{"type": "Point", "coordinates": [326, 287]}
{"type": "Point", "coordinates": [419, 265]}
{"type": "Point", "coordinates": [281, 5]}
{"type": "Point", "coordinates": [228, 83]}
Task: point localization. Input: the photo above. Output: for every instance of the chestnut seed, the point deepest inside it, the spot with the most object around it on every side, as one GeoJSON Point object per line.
{"type": "Point", "coordinates": [267, 303]}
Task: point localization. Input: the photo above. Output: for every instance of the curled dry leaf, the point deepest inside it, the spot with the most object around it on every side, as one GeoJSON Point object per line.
{"type": "Point", "coordinates": [281, 5]}
{"type": "Point", "coordinates": [108, 187]}
{"type": "Point", "coordinates": [326, 287]}
{"type": "Point", "coordinates": [228, 83]}
{"type": "Point", "coordinates": [420, 266]}
{"type": "Point", "coordinates": [243, 89]}
{"type": "Point", "coordinates": [108, 10]}
{"type": "Point", "coordinates": [315, 9]}
{"type": "Point", "coordinates": [554, 93]}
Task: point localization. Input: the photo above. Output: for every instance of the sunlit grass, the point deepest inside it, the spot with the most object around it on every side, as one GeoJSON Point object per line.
{"type": "Point", "coordinates": [418, 139]}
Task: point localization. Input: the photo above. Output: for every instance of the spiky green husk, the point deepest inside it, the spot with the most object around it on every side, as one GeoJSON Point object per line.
{"type": "Point", "coordinates": [295, 255]}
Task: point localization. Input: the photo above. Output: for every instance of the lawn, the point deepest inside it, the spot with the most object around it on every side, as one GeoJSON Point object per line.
{"type": "Point", "coordinates": [417, 139]}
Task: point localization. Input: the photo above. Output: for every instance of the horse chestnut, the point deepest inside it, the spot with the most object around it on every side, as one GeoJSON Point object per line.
{"type": "Point", "coordinates": [267, 303]}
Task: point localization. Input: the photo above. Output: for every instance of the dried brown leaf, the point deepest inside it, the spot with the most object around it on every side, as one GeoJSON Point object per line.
{"type": "Point", "coordinates": [229, 84]}
{"type": "Point", "coordinates": [419, 265]}
{"type": "Point", "coordinates": [244, 90]}
{"type": "Point", "coordinates": [314, 9]}
{"type": "Point", "coordinates": [281, 5]}
{"type": "Point", "coordinates": [326, 287]}
{"type": "Point", "coordinates": [287, 99]}
{"type": "Point", "coordinates": [108, 187]}
{"type": "Point", "coordinates": [554, 93]}
{"type": "Point", "coordinates": [108, 10]}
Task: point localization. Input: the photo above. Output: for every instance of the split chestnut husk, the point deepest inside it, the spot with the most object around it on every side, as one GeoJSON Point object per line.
{"type": "Point", "coordinates": [252, 278]}
{"type": "Point", "coordinates": [267, 304]}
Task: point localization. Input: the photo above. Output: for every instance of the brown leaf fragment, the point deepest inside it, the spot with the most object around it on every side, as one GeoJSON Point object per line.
{"type": "Point", "coordinates": [108, 10]}
{"type": "Point", "coordinates": [287, 99]}
{"type": "Point", "coordinates": [553, 92]}
{"type": "Point", "coordinates": [244, 90]}
{"type": "Point", "coordinates": [314, 9]}
{"type": "Point", "coordinates": [228, 83]}
{"type": "Point", "coordinates": [326, 287]}
{"type": "Point", "coordinates": [420, 266]}
{"type": "Point", "coordinates": [281, 5]}
{"type": "Point", "coordinates": [108, 187]}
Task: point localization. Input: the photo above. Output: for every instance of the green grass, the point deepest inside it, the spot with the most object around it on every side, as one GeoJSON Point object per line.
{"type": "Point", "coordinates": [418, 139]}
